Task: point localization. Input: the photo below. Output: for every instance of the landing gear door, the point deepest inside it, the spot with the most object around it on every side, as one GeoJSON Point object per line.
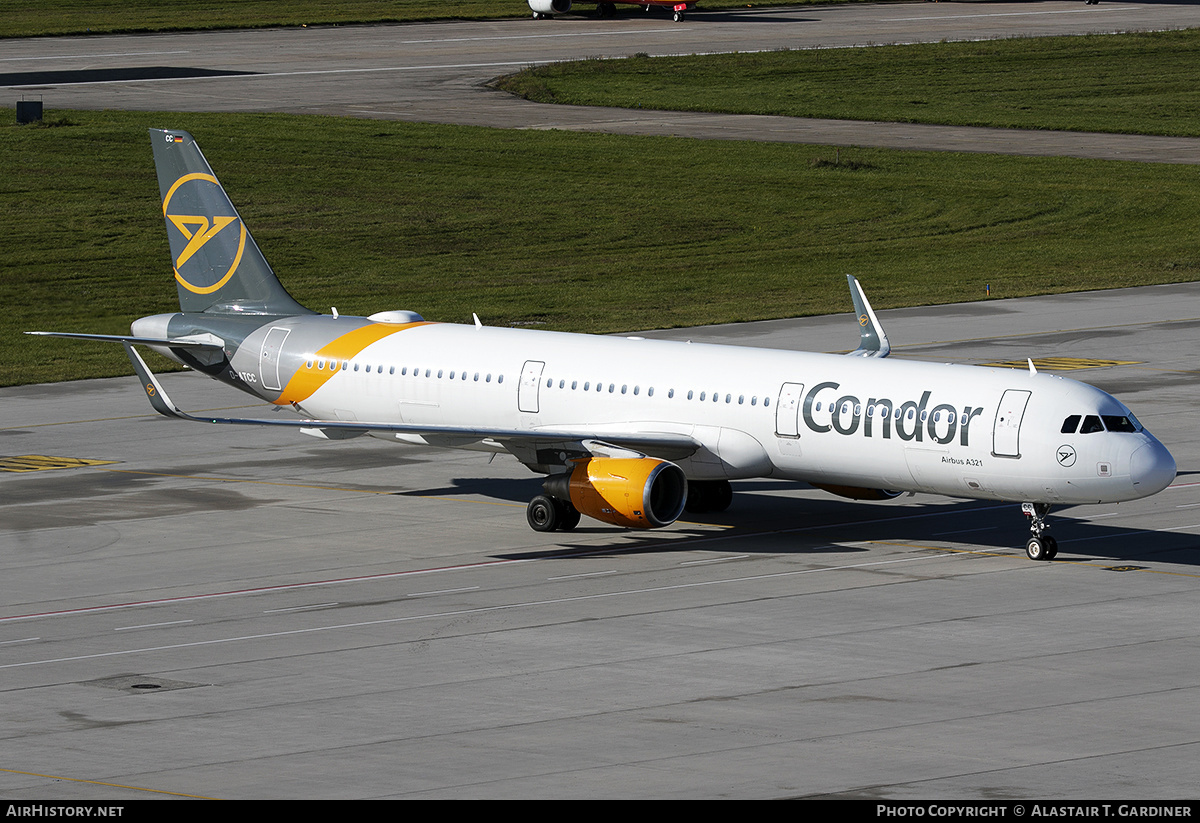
{"type": "Point", "coordinates": [787, 410]}
{"type": "Point", "coordinates": [1006, 433]}
{"type": "Point", "coordinates": [268, 364]}
{"type": "Point", "coordinates": [527, 392]}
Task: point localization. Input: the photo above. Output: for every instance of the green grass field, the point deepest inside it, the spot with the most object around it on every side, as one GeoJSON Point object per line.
{"type": "Point", "coordinates": [584, 232]}
{"type": "Point", "coordinates": [604, 233]}
{"type": "Point", "coordinates": [1132, 83]}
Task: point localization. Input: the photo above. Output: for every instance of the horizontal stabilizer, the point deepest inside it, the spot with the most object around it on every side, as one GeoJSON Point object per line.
{"type": "Point", "coordinates": [205, 341]}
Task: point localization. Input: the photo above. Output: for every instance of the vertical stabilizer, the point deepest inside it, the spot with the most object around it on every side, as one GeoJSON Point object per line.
{"type": "Point", "coordinates": [218, 266]}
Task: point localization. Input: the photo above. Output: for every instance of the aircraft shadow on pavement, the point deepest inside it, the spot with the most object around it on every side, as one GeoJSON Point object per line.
{"type": "Point", "coordinates": [763, 521]}
{"type": "Point", "coordinates": [112, 75]}
{"type": "Point", "coordinates": [493, 488]}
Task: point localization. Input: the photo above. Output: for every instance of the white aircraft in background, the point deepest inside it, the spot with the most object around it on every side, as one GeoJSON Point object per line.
{"type": "Point", "coordinates": [629, 431]}
{"type": "Point", "coordinates": [545, 9]}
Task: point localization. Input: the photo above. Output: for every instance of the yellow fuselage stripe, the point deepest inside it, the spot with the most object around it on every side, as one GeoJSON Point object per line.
{"type": "Point", "coordinates": [306, 380]}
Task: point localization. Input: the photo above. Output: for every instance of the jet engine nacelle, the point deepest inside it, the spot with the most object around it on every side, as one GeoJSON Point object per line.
{"type": "Point", "coordinates": [858, 492]}
{"type": "Point", "coordinates": [550, 6]}
{"type": "Point", "coordinates": [634, 492]}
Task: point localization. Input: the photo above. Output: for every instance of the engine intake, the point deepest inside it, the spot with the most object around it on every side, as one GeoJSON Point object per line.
{"type": "Point", "coordinates": [634, 492]}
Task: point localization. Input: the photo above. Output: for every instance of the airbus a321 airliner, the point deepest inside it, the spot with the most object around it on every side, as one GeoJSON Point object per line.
{"type": "Point", "coordinates": [629, 431]}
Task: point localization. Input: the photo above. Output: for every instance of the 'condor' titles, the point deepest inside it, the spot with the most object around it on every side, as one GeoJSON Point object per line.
{"type": "Point", "coordinates": [911, 420]}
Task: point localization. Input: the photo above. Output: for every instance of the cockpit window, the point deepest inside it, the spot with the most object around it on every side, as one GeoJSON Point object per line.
{"type": "Point", "coordinates": [1118, 423]}
{"type": "Point", "coordinates": [1091, 423]}
{"type": "Point", "coordinates": [1070, 424]}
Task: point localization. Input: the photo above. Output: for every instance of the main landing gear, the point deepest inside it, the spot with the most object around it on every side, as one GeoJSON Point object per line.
{"type": "Point", "coordinates": [1040, 545]}
{"type": "Point", "coordinates": [546, 514]}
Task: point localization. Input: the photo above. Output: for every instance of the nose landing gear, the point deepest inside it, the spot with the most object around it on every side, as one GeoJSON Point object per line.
{"type": "Point", "coordinates": [1040, 545]}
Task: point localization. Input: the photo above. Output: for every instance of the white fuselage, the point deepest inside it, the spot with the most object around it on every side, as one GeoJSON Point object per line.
{"type": "Point", "coordinates": [963, 431]}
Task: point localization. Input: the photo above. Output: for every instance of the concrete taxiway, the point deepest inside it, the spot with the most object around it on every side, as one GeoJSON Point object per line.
{"type": "Point", "coordinates": [236, 612]}
{"type": "Point", "coordinates": [437, 72]}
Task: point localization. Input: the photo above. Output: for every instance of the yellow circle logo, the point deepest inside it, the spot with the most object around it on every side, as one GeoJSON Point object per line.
{"type": "Point", "coordinates": [210, 245]}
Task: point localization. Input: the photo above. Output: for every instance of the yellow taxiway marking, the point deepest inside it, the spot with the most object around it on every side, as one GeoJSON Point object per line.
{"type": "Point", "coordinates": [1062, 363]}
{"type": "Point", "coordinates": [44, 462]}
{"type": "Point", "coordinates": [102, 783]}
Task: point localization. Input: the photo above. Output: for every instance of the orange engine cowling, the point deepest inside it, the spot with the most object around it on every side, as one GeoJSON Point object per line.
{"type": "Point", "coordinates": [635, 492]}
{"type": "Point", "coordinates": [858, 492]}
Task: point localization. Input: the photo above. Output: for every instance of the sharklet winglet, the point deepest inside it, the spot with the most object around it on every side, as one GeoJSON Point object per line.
{"type": "Point", "coordinates": [873, 339]}
{"type": "Point", "coordinates": [154, 391]}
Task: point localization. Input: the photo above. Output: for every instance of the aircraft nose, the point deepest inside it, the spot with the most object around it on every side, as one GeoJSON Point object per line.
{"type": "Point", "coordinates": [1151, 468]}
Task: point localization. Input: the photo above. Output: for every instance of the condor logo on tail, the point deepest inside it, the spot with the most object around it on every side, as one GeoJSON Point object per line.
{"type": "Point", "coordinates": [187, 206]}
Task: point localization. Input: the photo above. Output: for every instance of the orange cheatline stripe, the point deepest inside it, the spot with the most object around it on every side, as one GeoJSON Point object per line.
{"type": "Point", "coordinates": [306, 381]}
